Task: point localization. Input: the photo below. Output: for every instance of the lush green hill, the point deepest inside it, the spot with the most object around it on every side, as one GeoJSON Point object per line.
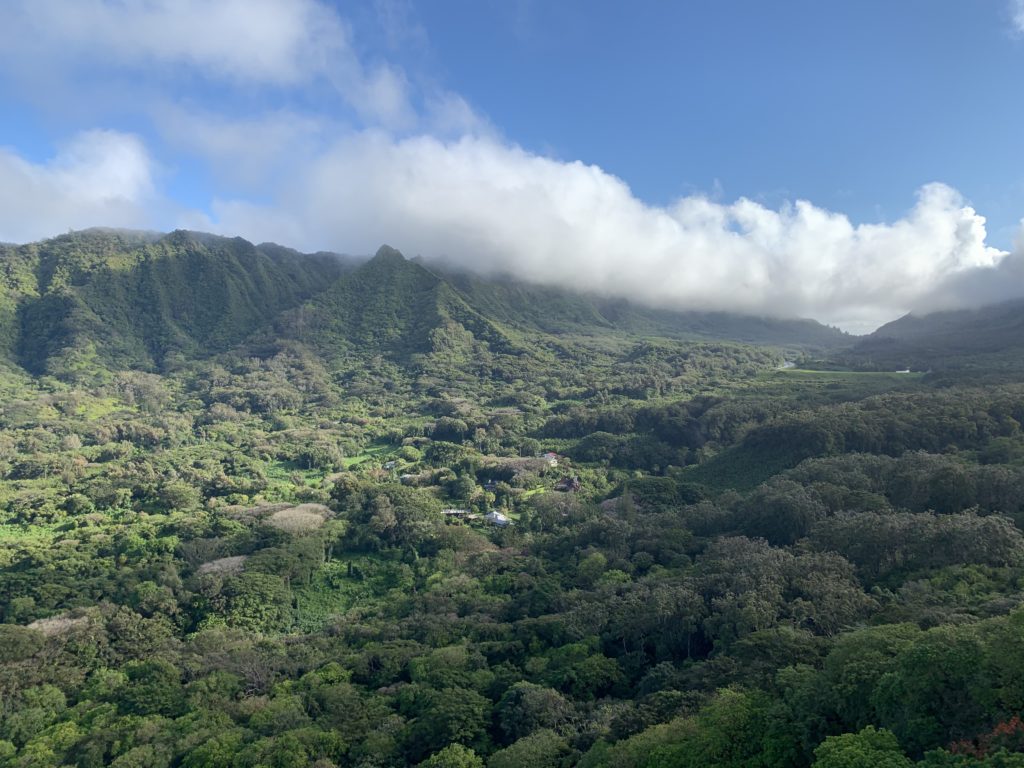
{"type": "Point", "coordinates": [134, 300]}
{"type": "Point", "coordinates": [394, 306]}
{"type": "Point", "coordinates": [989, 338]}
{"type": "Point", "coordinates": [106, 299]}
{"type": "Point", "coordinates": [531, 307]}
{"type": "Point", "coordinates": [793, 333]}
{"type": "Point", "coordinates": [444, 327]}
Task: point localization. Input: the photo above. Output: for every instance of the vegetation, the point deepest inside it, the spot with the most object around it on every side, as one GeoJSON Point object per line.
{"type": "Point", "coordinates": [243, 522]}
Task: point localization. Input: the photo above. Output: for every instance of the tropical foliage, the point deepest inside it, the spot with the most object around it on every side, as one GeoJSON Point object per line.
{"type": "Point", "coordinates": [244, 500]}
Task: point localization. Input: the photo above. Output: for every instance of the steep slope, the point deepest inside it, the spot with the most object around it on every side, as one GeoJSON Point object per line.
{"type": "Point", "coordinates": [398, 307]}
{"type": "Point", "coordinates": [988, 338]}
{"type": "Point", "coordinates": [749, 329]}
{"type": "Point", "coordinates": [124, 300]}
{"type": "Point", "coordinates": [17, 280]}
{"type": "Point", "coordinates": [530, 307]}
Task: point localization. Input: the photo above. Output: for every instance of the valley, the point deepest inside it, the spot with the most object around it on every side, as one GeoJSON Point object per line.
{"type": "Point", "coordinates": [265, 508]}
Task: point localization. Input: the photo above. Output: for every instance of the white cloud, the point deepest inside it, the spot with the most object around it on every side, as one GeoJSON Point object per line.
{"type": "Point", "coordinates": [492, 207]}
{"type": "Point", "coordinates": [280, 43]}
{"type": "Point", "coordinates": [99, 178]}
{"type": "Point", "coordinates": [980, 285]}
{"type": "Point", "coordinates": [248, 151]}
{"type": "Point", "coordinates": [1017, 14]}
{"type": "Point", "coordinates": [275, 41]}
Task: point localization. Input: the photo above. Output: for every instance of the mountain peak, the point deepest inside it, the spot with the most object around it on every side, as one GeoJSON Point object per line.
{"type": "Point", "coordinates": [387, 253]}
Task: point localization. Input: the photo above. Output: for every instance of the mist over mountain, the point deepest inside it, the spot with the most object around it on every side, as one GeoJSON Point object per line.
{"type": "Point", "coordinates": [556, 309]}
{"type": "Point", "coordinates": [983, 339]}
{"type": "Point", "coordinates": [140, 299]}
{"type": "Point", "coordinates": [497, 209]}
{"type": "Point", "coordinates": [977, 286]}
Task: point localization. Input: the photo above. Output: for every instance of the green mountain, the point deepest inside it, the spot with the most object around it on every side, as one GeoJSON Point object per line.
{"type": "Point", "coordinates": [106, 299]}
{"type": "Point", "coordinates": [394, 306]}
{"type": "Point", "coordinates": [987, 338]}
{"type": "Point", "coordinates": [439, 321]}
{"type": "Point", "coordinates": [136, 300]}
{"type": "Point", "coordinates": [796, 333]}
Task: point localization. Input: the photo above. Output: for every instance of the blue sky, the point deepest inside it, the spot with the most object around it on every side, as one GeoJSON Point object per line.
{"type": "Point", "coordinates": [844, 160]}
{"type": "Point", "coordinates": [851, 105]}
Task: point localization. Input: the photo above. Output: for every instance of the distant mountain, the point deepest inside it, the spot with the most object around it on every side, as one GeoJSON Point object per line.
{"type": "Point", "coordinates": [986, 338]}
{"type": "Point", "coordinates": [120, 299]}
{"type": "Point", "coordinates": [797, 333]}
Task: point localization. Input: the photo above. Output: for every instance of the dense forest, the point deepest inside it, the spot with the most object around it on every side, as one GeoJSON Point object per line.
{"type": "Point", "coordinates": [260, 508]}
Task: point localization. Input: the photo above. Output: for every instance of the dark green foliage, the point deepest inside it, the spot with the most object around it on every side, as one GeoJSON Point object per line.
{"type": "Point", "coordinates": [453, 756]}
{"type": "Point", "coordinates": [867, 749]}
{"type": "Point", "coordinates": [122, 301]}
{"type": "Point", "coordinates": [526, 707]}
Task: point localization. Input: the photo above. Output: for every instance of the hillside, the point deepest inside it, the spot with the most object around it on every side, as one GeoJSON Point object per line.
{"type": "Point", "coordinates": [134, 300]}
{"type": "Point", "coordinates": [394, 306]}
{"type": "Point", "coordinates": [557, 310]}
{"type": "Point", "coordinates": [987, 338]}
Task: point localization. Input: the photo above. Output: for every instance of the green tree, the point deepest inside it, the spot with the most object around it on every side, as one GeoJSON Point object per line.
{"type": "Point", "coordinates": [869, 748]}
{"type": "Point", "coordinates": [526, 707]}
{"type": "Point", "coordinates": [453, 756]}
{"type": "Point", "coordinates": [541, 749]}
{"type": "Point", "coordinates": [447, 716]}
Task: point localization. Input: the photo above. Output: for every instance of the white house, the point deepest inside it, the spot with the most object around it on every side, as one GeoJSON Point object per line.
{"type": "Point", "coordinates": [494, 517]}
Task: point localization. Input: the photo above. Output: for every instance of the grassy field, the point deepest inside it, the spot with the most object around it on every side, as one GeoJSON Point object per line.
{"type": "Point", "coordinates": [372, 451]}
{"type": "Point", "coordinates": [822, 387]}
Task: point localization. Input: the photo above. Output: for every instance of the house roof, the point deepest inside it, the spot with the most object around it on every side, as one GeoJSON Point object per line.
{"type": "Point", "coordinates": [494, 516]}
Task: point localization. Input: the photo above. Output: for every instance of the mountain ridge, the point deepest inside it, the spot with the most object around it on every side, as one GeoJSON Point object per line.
{"type": "Point", "coordinates": [130, 302]}
{"type": "Point", "coordinates": [576, 311]}
{"type": "Point", "coordinates": [127, 299]}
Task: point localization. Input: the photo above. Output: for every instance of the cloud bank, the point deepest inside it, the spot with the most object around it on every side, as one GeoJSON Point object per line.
{"type": "Point", "coordinates": [249, 43]}
{"type": "Point", "coordinates": [977, 287]}
{"type": "Point", "coordinates": [250, 89]}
